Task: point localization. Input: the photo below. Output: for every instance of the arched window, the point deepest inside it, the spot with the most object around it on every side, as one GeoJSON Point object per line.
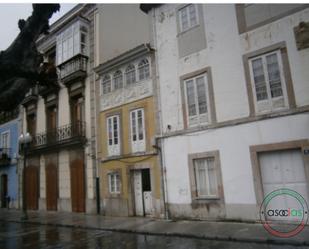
{"type": "Point", "coordinates": [118, 80]}
{"type": "Point", "coordinates": [106, 84]}
{"type": "Point", "coordinates": [130, 75]}
{"type": "Point", "coordinates": [143, 69]}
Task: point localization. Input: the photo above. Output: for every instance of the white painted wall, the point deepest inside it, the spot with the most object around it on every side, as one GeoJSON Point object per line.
{"type": "Point", "coordinates": [63, 107]}
{"type": "Point", "coordinates": [223, 53]}
{"type": "Point", "coordinates": [278, 31]}
{"type": "Point", "coordinates": [41, 116]}
{"type": "Point", "coordinates": [233, 143]}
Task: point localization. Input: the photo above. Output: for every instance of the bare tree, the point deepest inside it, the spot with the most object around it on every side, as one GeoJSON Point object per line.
{"type": "Point", "coordinates": [21, 63]}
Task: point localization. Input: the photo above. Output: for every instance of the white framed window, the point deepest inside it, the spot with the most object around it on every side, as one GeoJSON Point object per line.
{"type": "Point", "coordinates": [268, 82]}
{"type": "Point", "coordinates": [71, 41]}
{"type": "Point", "coordinates": [130, 74]}
{"type": "Point", "coordinates": [197, 101]}
{"type": "Point", "coordinates": [114, 183]}
{"type": "Point", "coordinates": [205, 177]}
{"type": "Point", "coordinates": [5, 139]}
{"type": "Point", "coordinates": [5, 142]}
{"type": "Point", "coordinates": [188, 17]}
{"type": "Point", "coordinates": [118, 80]}
{"type": "Point", "coordinates": [106, 84]}
{"type": "Point", "coordinates": [143, 69]}
{"type": "Point", "coordinates": [137, 120]}
{"type": "Point", "coordinates": [113, 135]}
{"type": "Point", "coordinates": [83, 40]}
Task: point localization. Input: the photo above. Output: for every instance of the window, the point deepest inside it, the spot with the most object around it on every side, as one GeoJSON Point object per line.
{"type": "Point", "coordinates": [196, 100]}
{"type": "Point", "coordinates": [137, 130]}
{"type": "Point", "coordinates": [268, 81]}
{"type": "Point", "coordinates": [113, 138]}
{"type": "Point", "coordinates": [118, 80]}
{"type": "Point", "coordinates": [114, 183]}
{"type": "Point", "coordinates": [130, 75]}
{"type": "Point", "coordinates": [83, 43]}
{"type": "Point", "coordinates": [205, 177]}
{"type": "Point", "coordinates": [188, 17]}
{"type": "Point", "coordinates": [143, 69]}
{"type": "Point", "coordinates": [106, 84]}
{"type": "Point", "coordinates": [5, 140]}
{"type": "Point", "coordinates": [251, 16]}
{"type": "Point", "coordinates": [71, 41]}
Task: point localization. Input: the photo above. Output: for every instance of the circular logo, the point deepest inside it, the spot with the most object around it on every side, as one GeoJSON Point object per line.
{"type": "Point", "coordinates": [284, 213]}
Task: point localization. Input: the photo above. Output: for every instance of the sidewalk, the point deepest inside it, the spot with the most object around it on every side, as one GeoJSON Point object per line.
{"type": "Point", "coordinates": [225, 231]}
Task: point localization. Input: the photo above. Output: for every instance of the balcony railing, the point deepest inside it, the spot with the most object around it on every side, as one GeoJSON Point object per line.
{"type": "Point", "coordinates": [63, 135]}
{"type": "Point", "coordinates": [5, 156]}
{"type": "Point", "coordinates": [75, 66]}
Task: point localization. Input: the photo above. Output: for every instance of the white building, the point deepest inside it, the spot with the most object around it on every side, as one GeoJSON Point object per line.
{"type": "Point", "coordinates": [233, 100]}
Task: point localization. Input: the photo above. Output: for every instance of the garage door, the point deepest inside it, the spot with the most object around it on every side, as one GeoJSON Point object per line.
{"type": "Point", "coordinates": [283, 169]}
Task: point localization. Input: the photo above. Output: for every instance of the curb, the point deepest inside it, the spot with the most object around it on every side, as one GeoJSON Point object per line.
{"type": "Point", "coordinates": [172, 234]}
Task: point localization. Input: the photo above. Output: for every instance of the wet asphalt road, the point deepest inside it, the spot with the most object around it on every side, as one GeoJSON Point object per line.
{"type": "Point", "coordinates": [17, 235]}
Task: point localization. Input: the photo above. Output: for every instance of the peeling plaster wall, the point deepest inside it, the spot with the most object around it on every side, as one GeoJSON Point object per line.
{"type": "Point", "coordinates": [233, 144]}
{"type": "Point", "coordinates": [224, 50]}
{"type": "Point", "coordinates": [278, 31]}
{"type": "Point", "coordinates": [222, 54]}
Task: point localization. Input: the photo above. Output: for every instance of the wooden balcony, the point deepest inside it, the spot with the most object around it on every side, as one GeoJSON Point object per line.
{"type": "Point", "coordinates": [5, 156]}
{"type": "Point", "coordinates": [63, 136]}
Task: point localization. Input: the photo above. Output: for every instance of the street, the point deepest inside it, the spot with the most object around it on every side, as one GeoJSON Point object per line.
{"type": "Point", "coordinates": [17, 235]}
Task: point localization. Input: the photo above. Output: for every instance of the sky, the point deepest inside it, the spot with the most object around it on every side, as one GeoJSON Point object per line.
{"type": "Point", "coordinates": [11, 13]}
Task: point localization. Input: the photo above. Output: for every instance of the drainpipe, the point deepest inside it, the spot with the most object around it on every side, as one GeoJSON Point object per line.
{"type": "Point", "coordinates": [160, 147]}
{"type": "Point", "coordinates": [96, 114]}
{"type": "Point", "coordinates": [163, 181]}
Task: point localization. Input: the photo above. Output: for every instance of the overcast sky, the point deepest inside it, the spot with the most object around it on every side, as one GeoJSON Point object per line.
{"type": "Point", "coordinates": [11, 13]}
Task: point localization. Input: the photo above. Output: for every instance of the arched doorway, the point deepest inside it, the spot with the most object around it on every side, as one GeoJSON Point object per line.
{"type": "Point", "coordinates": [4, 190]}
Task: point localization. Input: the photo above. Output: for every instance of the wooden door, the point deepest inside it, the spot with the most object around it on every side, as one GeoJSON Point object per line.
{"type": "Point", "coordinates": [4, 190]}
{"type": "Point", "coordinates": [51, 187]}
{"type": "Point", "coordinates": [77, 185]}
{"type": "Point", "coordinates": [32, 187]}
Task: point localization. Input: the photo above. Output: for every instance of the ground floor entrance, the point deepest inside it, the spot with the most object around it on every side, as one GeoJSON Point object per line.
{"type": "Point", "coordinates": [77, 185]}
{"type": "Point", "coordinates": [32, 187]}
{"type": "Point", "coordinates": [143, 205]}
{"type": "Point", "coordinates": [283, 169]}
{"type": "Point", "coordinates": [4, 190]}
{"type": "Point", "coordinates": [51, 186]}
